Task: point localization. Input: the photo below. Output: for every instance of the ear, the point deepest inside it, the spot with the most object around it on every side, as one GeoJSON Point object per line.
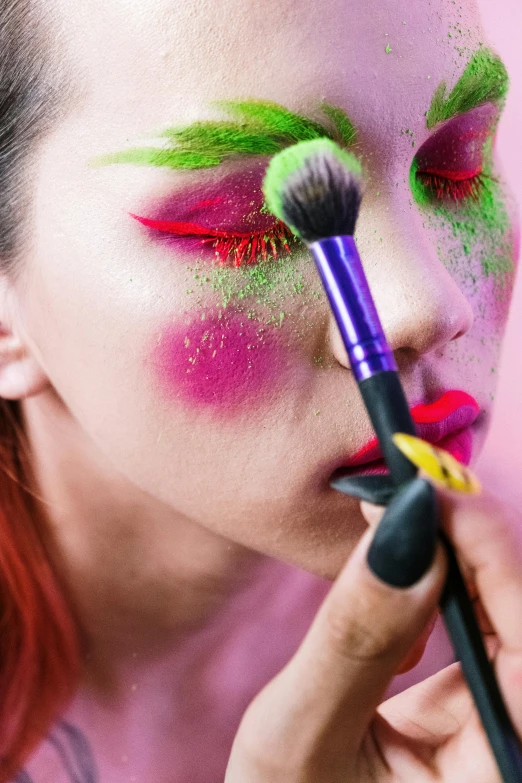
{"type": "Point", "coordinates": [21, 375]}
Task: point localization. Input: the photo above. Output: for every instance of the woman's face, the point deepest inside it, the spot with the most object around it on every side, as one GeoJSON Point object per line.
{"type": "Point", "coordinates": [224, 393]}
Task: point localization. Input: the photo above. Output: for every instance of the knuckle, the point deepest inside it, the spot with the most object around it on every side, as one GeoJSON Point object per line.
{"type": "Point", "coordinates": [355, 636]}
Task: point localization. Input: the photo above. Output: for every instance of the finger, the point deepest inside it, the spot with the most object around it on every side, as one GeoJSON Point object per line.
{"type": "Point", "coordinates": [439, 715]}
{"type": "Point", "coordinates": [469, 753]}
{"type": "Point", "coordinates": [484, 623]}
{"type": "Point", "coordinates": [376, 489]}
{"type": "Point", "coordinates": [366, 626]}
{"type": "Point", "coordinates": [488, 539]}
{"type": "Point", "coordinates": [372, 513]}
{"type": "Point", "coordinates": [439, 705]}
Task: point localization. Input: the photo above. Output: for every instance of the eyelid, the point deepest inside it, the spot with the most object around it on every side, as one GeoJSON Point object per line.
{"type": "Point", "coordinates": [457, 145]}
{"type": "Point", "coordinates": [231, 202]}
{"type": "Point", "coordinates": [186, 229]}
{"type": "Point", "coordinates": [453, 174]}
{"type": "Point", "coordinates": [231, 247]}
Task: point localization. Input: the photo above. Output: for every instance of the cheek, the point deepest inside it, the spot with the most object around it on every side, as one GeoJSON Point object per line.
{"type": "Point", "coordinates": [224, 364]}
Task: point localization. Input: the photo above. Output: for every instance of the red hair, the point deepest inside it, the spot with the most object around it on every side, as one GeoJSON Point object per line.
{"type": "Point", "coordinates": [40, 641]}
{"type": "Point", "coordinates": [39, 638]}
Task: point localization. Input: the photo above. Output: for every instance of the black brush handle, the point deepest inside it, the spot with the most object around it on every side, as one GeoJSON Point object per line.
{"type": "Point", "coordinates": [389, 412]}
{"type": "Point", "coordinates": [468, 644]}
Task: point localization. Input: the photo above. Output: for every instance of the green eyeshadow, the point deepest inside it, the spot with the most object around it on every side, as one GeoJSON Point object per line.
{"type": "Point", "coordinates": [258, 128]}
{"type": "Point", "coordinates": [479, 226]}
{"type": "Point", "coordinates": [484, 80]}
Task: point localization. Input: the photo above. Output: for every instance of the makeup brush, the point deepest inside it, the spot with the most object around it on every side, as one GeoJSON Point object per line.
{"type": "Point", "coordinates": [316, 188]}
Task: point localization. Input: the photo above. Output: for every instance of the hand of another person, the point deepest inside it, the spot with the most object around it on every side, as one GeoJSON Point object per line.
{"type": "Point", "coordinates": [321, 719]}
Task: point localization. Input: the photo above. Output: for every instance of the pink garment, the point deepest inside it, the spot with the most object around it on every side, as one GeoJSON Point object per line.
{"type": "Point", "coordinates": [181, 722]}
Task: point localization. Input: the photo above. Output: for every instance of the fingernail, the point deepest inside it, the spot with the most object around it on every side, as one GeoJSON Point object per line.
{"type": "Point", "coordinates": [403, 547]}
{"type": "Point", "coordinates": [376, 489]}
{"type": "Point", "coordinates": [440, 465]}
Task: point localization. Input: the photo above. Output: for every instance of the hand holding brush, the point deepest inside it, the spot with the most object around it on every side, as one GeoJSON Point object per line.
{"type": "Point", "coordinates": [322, 719]}
{"type": "Point", "coordinates": [316, 189]}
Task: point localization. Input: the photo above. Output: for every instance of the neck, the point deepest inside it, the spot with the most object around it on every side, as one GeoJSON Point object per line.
{"type": "Point", "coordinates": [144, 578]}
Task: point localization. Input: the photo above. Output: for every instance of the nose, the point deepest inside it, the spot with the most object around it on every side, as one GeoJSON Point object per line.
{"type": "Point", "coordinates": [420, 305]}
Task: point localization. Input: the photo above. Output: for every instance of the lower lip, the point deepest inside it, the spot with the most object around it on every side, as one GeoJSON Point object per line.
{"type": "Point", "coordinates": [458, 444]}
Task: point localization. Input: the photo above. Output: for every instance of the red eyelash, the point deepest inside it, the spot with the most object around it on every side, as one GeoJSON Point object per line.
{"type": "Point", "coordinates": [248, 247]}
{"type": "Point", "coordinates": [241, 247]}
{"type": "Point", "coordinates": [452, 185]}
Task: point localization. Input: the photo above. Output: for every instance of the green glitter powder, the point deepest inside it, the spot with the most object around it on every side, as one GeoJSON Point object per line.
{"type": "Point", "coordinates": [345, 130]}
{"type": "Point", "coordinates": [265, 292]}
{"type": "Point", "coordinates": [275, 120]}
{"type": "Point", "coordinates": [263, 128]}
{"type": "Point", "coordinates": [480, 223]}
{"type": "Point", "coordinates": [268, 283]}
{"type": "Point", "coordinates": [388, 49]}
{"type": "Point", "coordinates": [484, 80]}
{"type": "Point", "coordinates": [153, 156]}
{"type": "Point", "coordinates": [222, 139]}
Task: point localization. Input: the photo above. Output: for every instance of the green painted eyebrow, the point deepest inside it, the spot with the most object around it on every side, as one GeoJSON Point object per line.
{"type": "Point", "coordinates": [485, 80]}
{"type": "Point", "coordinates": [254, 128]}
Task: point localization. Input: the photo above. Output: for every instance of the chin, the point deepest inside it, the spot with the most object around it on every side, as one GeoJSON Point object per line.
{"type": "Point", "coordinates": [321, 548]}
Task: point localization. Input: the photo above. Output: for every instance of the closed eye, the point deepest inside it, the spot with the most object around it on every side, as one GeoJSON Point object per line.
{"type": "Point", "coordinates": [456, 186]}
{"type": "Point", "coordinates": [450, 164]}
{"type": "Point", "coordinates": [231, 248]}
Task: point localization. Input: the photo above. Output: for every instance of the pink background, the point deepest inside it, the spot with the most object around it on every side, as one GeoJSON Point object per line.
{"type": "Point", "coordinates": [500, 465]}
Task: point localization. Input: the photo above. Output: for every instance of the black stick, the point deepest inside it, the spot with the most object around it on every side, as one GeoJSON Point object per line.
{"type": "Point", "coordinates": [468, 644]}
{"type": "Point", "coordinates": [389, 412]}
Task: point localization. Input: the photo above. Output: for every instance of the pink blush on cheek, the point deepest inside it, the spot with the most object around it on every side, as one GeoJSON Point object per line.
{"type": "Point", "coordinates": [224, 364]}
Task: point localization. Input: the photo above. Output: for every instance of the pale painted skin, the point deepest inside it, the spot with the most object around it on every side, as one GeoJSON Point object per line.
{"type": "Point", "coordinates": [165, 513]}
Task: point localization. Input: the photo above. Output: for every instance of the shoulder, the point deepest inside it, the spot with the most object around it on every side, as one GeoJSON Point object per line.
{"type": "Point", "coordinates": [64, 756]}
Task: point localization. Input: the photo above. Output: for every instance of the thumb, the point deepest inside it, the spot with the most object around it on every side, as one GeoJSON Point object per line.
{"type": "Point", "coordinates": [374, 613]}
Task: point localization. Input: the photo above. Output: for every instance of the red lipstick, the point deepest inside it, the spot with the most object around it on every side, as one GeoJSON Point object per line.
{"type": "Point", "coordinates": [446, 422]}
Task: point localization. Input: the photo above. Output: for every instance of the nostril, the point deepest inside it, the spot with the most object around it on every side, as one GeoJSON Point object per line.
{"type": "Point", "coordinates": [460, 333]}
{"type": "Point", "coordinates": [466, 317]}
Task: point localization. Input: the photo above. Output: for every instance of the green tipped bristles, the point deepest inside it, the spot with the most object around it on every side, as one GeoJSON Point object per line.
{"type": "Point", "coordinates": [315, 187]}
{"type": "Point", "coordinates": [291, 160]}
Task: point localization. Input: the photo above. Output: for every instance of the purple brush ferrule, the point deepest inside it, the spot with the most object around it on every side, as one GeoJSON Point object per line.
{"type": "Point", "coordinates": [345, 283]}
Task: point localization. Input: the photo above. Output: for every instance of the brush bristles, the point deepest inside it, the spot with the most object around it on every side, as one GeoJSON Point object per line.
{"type": "Point", "coordinates": [317, 191]}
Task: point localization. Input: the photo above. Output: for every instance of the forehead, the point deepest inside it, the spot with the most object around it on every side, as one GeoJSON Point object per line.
{"type": "Point", "coordinates": [161, 62]}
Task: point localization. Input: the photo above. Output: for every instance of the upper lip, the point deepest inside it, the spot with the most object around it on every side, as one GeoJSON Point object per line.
{"type": "Point", "coordinates": [452, 412]}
